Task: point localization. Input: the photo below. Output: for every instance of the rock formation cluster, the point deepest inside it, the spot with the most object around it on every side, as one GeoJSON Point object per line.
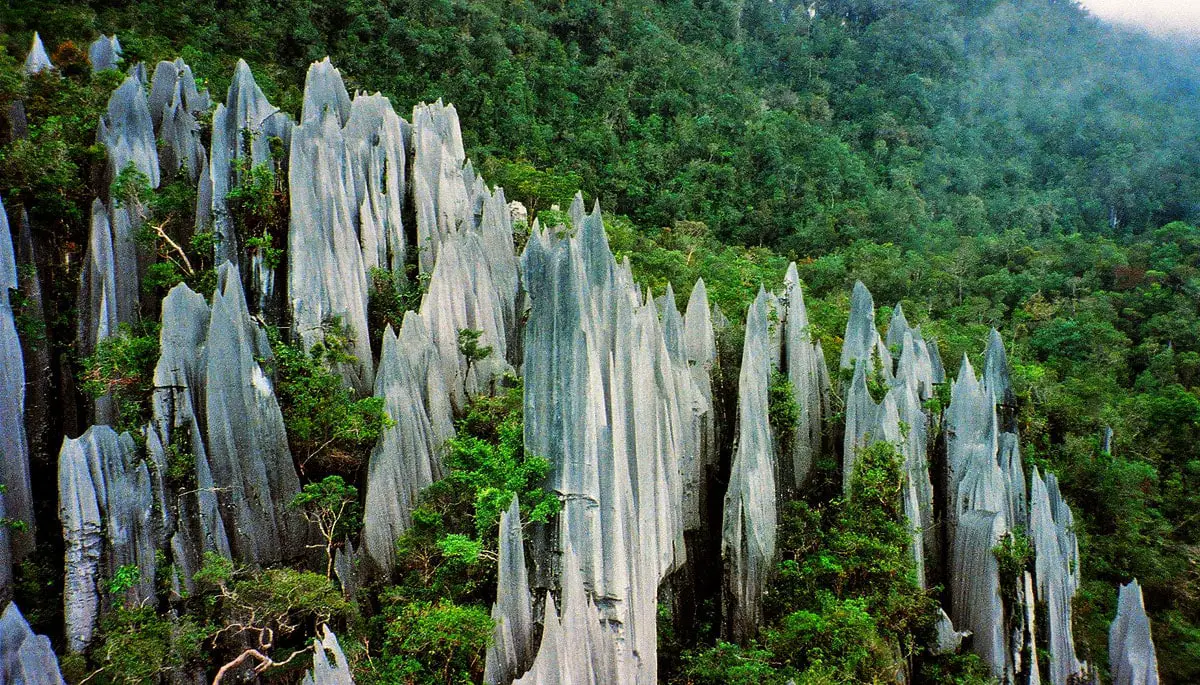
{"type": "Point", "coordinates": [619, 398]}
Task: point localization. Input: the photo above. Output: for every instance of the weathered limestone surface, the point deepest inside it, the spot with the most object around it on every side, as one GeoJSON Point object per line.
{"type": "Point", "coordinates": [700, 350]}
{"type": "Point", "coordinates": [1130, 647]}
{"type": "Point", "coordinates": [242, 127]}
{"type": "Point", "coordinates": [862, 344]}
{"type": "Point", "coordinates": [37, 60]}
{"type": "Point", "coordinates": [808, 374]}
{"type": "Point", "coordinates": [25, 658]}
{"type": "Point", "coordinates": [326, 276]}
{"type": "Point", "coordinates": [375, 143]}
{"type": "Point", "coordinates": [975, 586]}
{"type": "Point", "coordinates": [330, 666]}
{"type": "Point", "coordinates": [1051, 526]}
{"type": "Point", "coordinates": [14, 450]}
{"type": "Point", "coordinates": [105, 504]}
{"type": "Point", "coordinates": [748, 527]}
{"type": "Point", "coordinates": [324, 92]}
{"type": "Point", "coordinates": [440, 192]}
{"type": "Point", "coordinates": [191, 522]}
{"type": "Point", "coordinates": [247, 445]}
{"type": "Point", "coordinates": [174, 104]}
{"type": "Point", "coordinates": [105, 53]}
{"type": "Point", "coordinates": [511, 650]}
{"type": "Point", "coordinates": [408, 456]}
{"type": "Point", "coordinates": [611, 411]}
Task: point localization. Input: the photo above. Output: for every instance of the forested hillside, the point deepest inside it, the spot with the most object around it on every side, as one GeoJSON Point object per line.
{"type": "Point", "coordinates": [1014, 165]}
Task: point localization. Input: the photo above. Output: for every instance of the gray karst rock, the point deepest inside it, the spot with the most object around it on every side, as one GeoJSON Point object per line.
{"type": "Point", "coordinates": [1051, 527]}
{"type": "Point", "coordinates": [463, 295]}
{"type": "Point", "coordinates": [700, 350]}
{"type": "Point", "coordinates": [748, 526]}
{"type": "Point", "coordinates": [867, 422]}
{"type": "Point", "coordinates": [37, 60]}
{"type": "Point", "coordinates": [576, 647]}
{"type": "Point", "coordinates": [174, 104]}
{"type": "Point", "coordinates": [14, 466]}
{"type": "Point", "coordinates": [924, 364]}
{"type": "Point", "coordinates": [241, 127]}
{"type": "Point", "coordinates": [247, 445]}
{"type": "Point", "coordinates": [330, 666]}
{"type": "Point", "coordinates": [975, 587]}
{"type": "Point", "coordinates": [861, 343]}
{"type": "Point", "coordinates": [408, 456]}
{"type": "Point", "coordinates": [25, 658]}
{"type": "Point", "coordinates": [971, 446]}
{"type": "Point", "coordinates": [327, 280]}
{"type": "Point", "coordinates": [106, 506]}
{"type": "Point", "coordinates": [324, 91]}
{"type": "Point", "coordinates": [98, 312]}
{"type": "Point", "coordinates": [192, 522]}
{"type": "Point", "coordinates": [948, 639]}
{"type": "Point", "coordinates": [511, 651]}
{"type": "Point", "coordinates": [605, 405]}
{"type": "Point", "coordinates": [440, 192]}
{"type": "Point", "coordinates": [913, 445]}
{"type": "Point", "coordinates": [996, 378]}
{"type": "Point", "coordinates": [806, 370]}
{"type": "Point", "coordinates": [375, 143]}
{"type": "Point", "coordinates": [1131, 656]}
{"type": "Point", "coordinates": [105, 53]}
{"type": "Point", "coordinates": [128, 133]}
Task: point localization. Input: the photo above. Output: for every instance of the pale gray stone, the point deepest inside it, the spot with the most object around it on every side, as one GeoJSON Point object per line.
{"type": "Point", "coordinates": [1131, 656]}
{"type": "Point", "coordinates": [408, 456]}
{"type": "Point", "coordinates": [748, 526]}
{"type": "Point", "coordinates": [14, 466]}
{"type": "Point", "coordinates": [510, 652]}
{"type": "Point", "coordinates": [242, 127]}
{"type": "Point", "coordinates": [330, 666]}
{"type": "Point", "coordinates": [37, 60]}
{"type": "Point", "coordinates": [105, 53]}
{"type": "Point", "coordinates": [439, 190]}
{"type": "Point", "coordinates": [975, 587]}
{"type": "Point", "coordinates": [1056, 549]}
{"type": "Point", "coordinates": [25, 658]}
{"type": "Point", "coordinates": [805, 369]}
{"type": "Point", "coordinates": [861, 344]}
{"type": "Point", "coordinates": [252, 468]}
{"type": "Point", "coordinates": [324, 92]}
{"type": "Point", "coordinates": [106, 506]}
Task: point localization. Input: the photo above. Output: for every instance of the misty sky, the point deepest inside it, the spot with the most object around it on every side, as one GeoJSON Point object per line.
{"type": "Point", "coordinates": [1162, 16]}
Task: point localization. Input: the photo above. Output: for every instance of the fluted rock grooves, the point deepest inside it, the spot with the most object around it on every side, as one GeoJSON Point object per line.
{"type": "Point", "coordinates": [619, 397]}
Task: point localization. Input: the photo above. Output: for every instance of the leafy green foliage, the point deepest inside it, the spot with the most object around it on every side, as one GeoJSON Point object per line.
{"type": "Point", "coordinates": [136, 645]}
{"type": "Point", "coordinates": [124, 578]}
{"type": "Point", "coordinates": [437, 642]}
{"type": "Point", "coordinates": [123, 366]}
{"type": "Point", "coordinates": [332, 506]}
{"type": "Point", "coordinates": [1014, 556]}
{"type": "Point", "coordinates": [326, 425]}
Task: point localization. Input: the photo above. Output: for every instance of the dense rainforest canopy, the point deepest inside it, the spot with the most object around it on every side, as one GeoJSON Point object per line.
{"type": "Point", "coordinates": [1011, 164]}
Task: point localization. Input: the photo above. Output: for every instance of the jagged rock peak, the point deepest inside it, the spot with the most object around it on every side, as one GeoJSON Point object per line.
{"type": "Point", "coordinates": [440, 191]}
{"type": "Point", "coordinates": [1056, 567]}
{"type": "Point", "coordinates": [127, 132]}
{"type": "Point", "coordinates": [324, 91]}
{"type": "Point", "coordinates": [327, 279]}
{"type": "Point", "coordinates": [106, 507]}
{"type": "Point", "coordinates": [247, 444]}
{"type": "Point", "coordinates": [511, 650]}
{"type": "Point", "coordinates": [105, 53]}
{"type": "Point", "coordinates": [861, 343]}
{"type": "Point", "coordinates": [376, 145]}
{"type": "Point", "coordinates": [996, 371]}
{"type": "Point", "coordinates": [243, 126]}
{"type": "Point", "coordinates": [37, 60]}
{"type": "Point", "coordinates": [748, 526]}
{"type": "Point", "coordinates": [330, 666]}
{"type": "Point", "coordinates": [975, 586]}
{"type": "Point", "coordinates": [897, 327]}
{"type": "Point", "coordinates": [867, 422]}
{"type": "Point", "coordinates": [1131, 656]}
{"type": "Point", "coordinates": [14, 466]}
{"type": "Point", "coordinates": [808, 373]}
{"type": "Point", "coordinates": [408, 456]}
{"type": "Point", "coordinates": [25, 658]}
